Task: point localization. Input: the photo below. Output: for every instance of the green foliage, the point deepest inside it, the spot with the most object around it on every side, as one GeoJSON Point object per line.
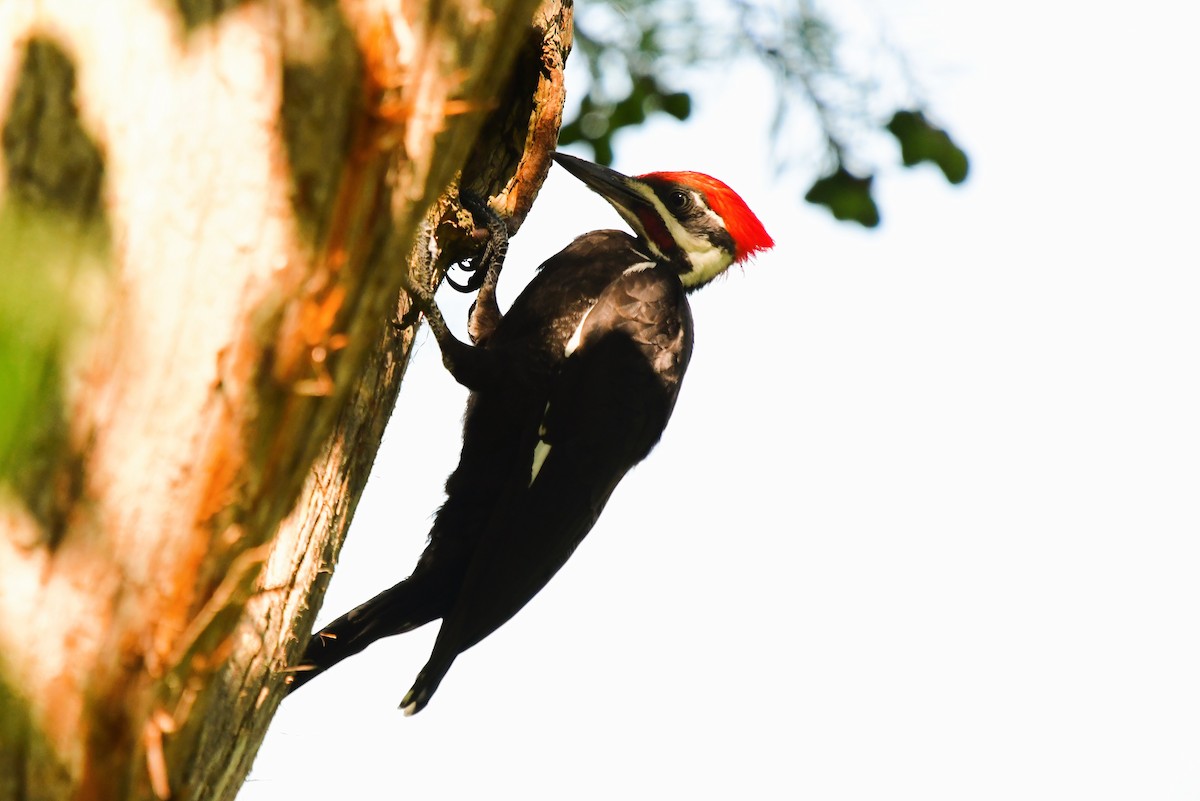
{"type": "Point", "coordinates": [847, 197]}
{"type": "Point", "coordinates": [921, 141]}
{"type": "Point", "coordinates": [622, 46]}
{"type": "Point", "coordinates": [599, 119]}
{"type": "Point", "coordinates": [640, 56]}
{"type": "Point", "coordinates": [34, 326]}
{"type": "Point", "coordinates": [55, 250]}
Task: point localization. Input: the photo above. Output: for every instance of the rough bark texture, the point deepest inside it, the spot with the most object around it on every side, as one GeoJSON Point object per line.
{"type": "Point", "coordinates": [224, 194]}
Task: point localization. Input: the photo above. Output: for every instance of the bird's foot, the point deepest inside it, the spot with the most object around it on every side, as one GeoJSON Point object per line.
{"type": "Point", "coordinates": [491, 234]}
{"type": "Point", "coordinates": [420, 282]}
{"type": "Point", "coordinates": [420, 302]}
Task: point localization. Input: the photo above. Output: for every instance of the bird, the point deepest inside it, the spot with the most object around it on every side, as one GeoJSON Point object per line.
{"type": "Point", "coordinates": [569, 389]}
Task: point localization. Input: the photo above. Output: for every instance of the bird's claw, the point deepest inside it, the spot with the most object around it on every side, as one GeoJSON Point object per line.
{"type": "Point", "coordinates": [491, 232]}
{"type": "Point", "coordinates": [420, 302]}
{"type": "Point", "coordinates": [407, 320]}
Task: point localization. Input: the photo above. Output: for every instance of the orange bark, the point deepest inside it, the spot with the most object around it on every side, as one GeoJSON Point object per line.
{"type": "Point", "coordinates": [236, 188]}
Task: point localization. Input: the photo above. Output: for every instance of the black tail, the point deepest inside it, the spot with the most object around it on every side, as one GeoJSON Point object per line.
{"type": "Point", "coordinates": [408, 605]}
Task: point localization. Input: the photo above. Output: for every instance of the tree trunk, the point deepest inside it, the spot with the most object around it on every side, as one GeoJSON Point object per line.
{"type": "Point", "coordinates": [206, 213]}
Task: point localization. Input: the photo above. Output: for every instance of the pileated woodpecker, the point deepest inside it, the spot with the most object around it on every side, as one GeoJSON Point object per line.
{"type": "Point", "coordinates": [569, 390]}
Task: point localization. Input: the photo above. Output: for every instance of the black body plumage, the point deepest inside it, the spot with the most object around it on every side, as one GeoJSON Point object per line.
{"type": "Point", "coordinates": [587, 363]}
{"type": "Point", "coordinates": [569, 390]}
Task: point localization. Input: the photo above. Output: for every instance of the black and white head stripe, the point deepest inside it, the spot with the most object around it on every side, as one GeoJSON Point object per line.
{"type": "Point", "coordinates": [689, 219]}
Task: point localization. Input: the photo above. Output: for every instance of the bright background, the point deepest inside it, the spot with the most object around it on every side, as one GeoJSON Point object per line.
{"type": "Point", "coordinates": [926, 523]}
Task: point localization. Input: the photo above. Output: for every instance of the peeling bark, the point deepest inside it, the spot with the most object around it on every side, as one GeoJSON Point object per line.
{"type": "Point", "coordinates": [223, 197]}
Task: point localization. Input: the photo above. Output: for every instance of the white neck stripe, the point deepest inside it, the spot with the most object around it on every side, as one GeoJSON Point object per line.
{"type": "Point", "coordinates": [705, 259]}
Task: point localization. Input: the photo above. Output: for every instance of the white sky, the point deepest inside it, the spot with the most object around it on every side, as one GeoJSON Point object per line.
{"type": "Point", "coordinates": [925, 523]}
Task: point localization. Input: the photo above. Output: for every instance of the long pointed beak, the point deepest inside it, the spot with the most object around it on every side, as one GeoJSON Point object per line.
{"type": "Point", "coordinates": [609, 184]}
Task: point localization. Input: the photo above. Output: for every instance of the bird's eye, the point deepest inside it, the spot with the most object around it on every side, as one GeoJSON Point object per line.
{"type": "Point", "coordinates": [677, 199]}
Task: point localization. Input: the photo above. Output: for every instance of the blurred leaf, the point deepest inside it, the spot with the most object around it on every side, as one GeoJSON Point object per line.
{"type": "Point", "coordinates": [603, 151]}
{"type": "Point", "coordinates": [601, 118]}
{"type": "Point", "coordinates": [570, 133]}
{"type": "Point", "coordinates": [677, 104]}
{"type": "Point", "coordinates": [829, 79]}
{"type": "Point", "coordinates": [630, 111]}
{"type": "Point", "coordinates": [35, 321]}
{"type": "Point", "coordinates": [847, 196]}
{"type": "Point", "coordinates": [922, 141]}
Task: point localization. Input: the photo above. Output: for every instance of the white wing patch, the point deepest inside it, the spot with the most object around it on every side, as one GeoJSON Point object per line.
{"type": "Point", "coordinates": [540, 452]}
{"type": "Point", "coordinates": [576, 337]}
{"type": "Point", "coordinates": [542, 449]}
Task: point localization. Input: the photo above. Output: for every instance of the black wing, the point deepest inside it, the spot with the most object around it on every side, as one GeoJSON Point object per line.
{"type": "Point", "coordinates": [607, 409]}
